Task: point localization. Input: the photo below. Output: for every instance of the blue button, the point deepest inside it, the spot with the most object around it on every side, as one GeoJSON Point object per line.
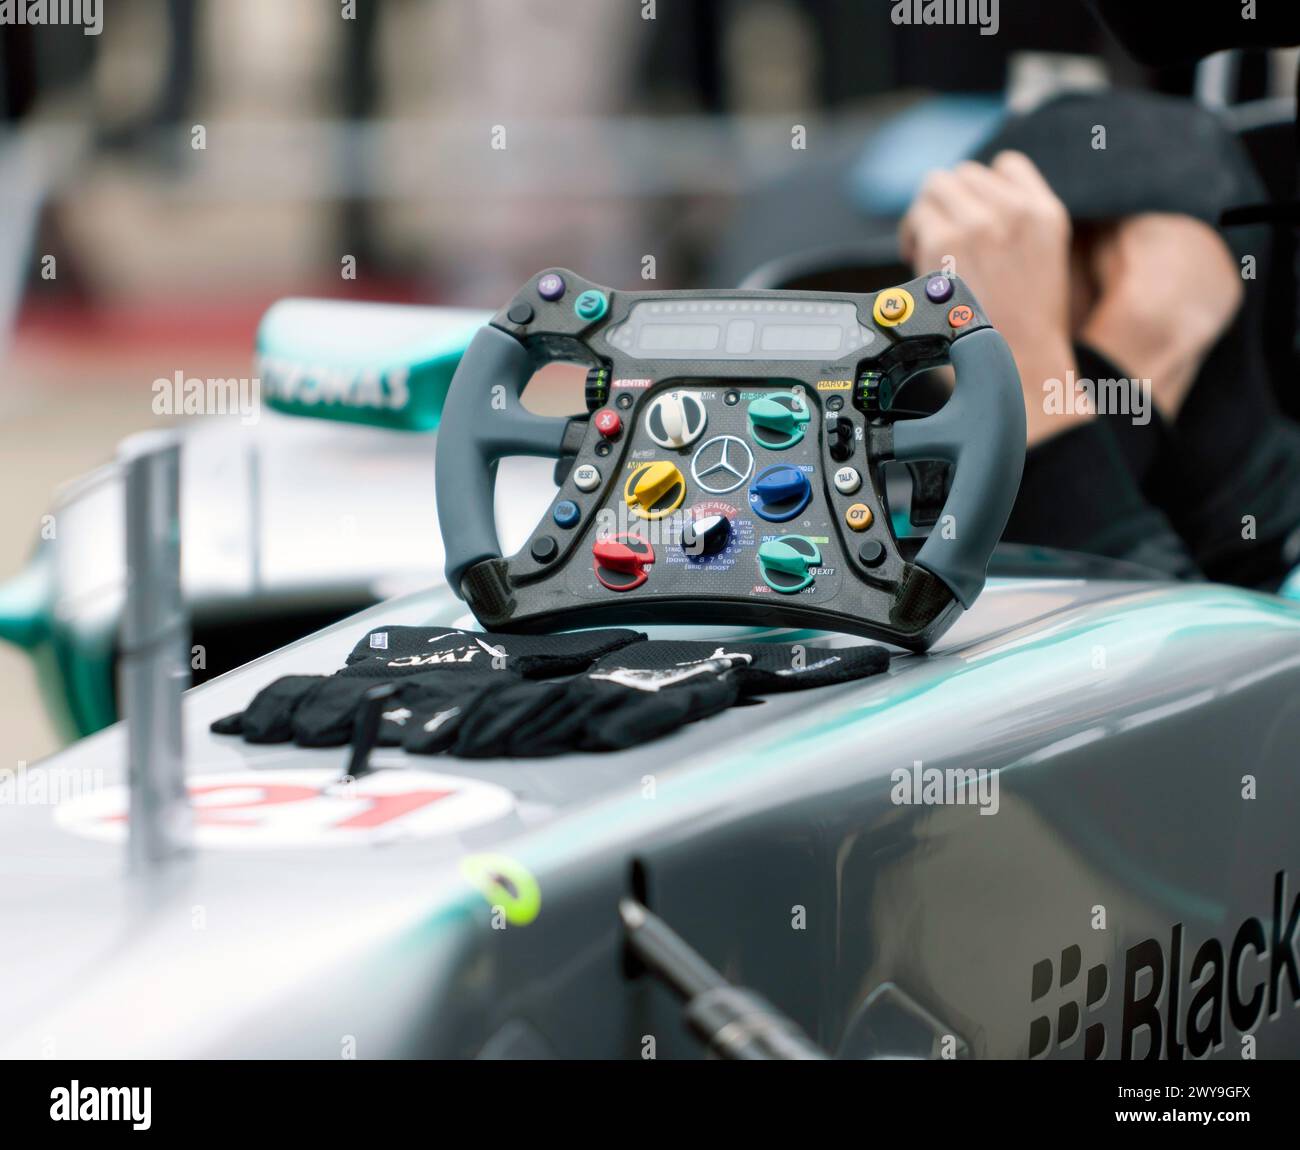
{"type": "Point", "coordinates": [938, 289]}
{"type": "Point", "coordinates": [780, 492]}
{"type": "Point", "coordinates": [566, 513]}
{"type": "Point", "coordinates": [778, 484]}
{"type": "Point", "coordinates": [591, 305]}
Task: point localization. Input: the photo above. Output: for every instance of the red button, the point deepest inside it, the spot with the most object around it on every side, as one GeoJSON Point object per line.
{"type": "Point", "coordinates": [620, 563]}
{"type": "Point", "coordinates": [608, 423]}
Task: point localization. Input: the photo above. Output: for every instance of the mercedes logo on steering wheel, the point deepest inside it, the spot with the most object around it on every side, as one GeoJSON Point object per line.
{"type": "Point", "coordinates": [722, 464]}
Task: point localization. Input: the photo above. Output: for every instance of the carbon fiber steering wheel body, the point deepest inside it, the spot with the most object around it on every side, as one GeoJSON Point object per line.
{"type": "Point", "coordinates": [729, 465]}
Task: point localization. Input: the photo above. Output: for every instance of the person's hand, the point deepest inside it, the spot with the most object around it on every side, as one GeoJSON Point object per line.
{"type": "Point", "coordinates": [1004, 232]}
{"type": "Point", "coordinates": [1169, 288]}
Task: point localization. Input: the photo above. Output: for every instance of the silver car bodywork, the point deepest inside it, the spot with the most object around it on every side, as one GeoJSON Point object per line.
{"type": "Point", "coordinates": [1144, 737]}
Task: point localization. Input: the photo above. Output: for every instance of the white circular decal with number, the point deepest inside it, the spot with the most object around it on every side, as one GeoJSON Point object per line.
{"type": "Point", "coordinates": [307, 808]}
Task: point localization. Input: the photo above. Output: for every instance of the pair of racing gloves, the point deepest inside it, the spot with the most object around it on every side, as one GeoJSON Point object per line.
{"type": "Point", "coordinates": [475, 695]}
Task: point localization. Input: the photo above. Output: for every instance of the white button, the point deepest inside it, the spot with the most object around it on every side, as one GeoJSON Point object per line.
{"type": "Point", "coordinates": [586, 478]}
{"type": "Point", "coordinates": [847, 480]}
{"type": "Point", "coordinates": [676, 419]}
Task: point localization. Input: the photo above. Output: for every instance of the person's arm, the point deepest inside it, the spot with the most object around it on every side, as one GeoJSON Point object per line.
{"type": "Point", "coordinates": [1078, 494]}
{"type": "Point", "coordinates": [1006, 234]}
{"type": "Point", "coordinates": [1002, 229]}
{"type": "Point", "coordinates": [1231, 475]}
{"type": "Point", "coordinates": [1170, 314]}
{"type": "Point", "coordinates": [1168, 289]}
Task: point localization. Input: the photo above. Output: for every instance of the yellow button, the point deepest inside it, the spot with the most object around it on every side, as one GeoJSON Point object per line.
{"type": "Point", "coordinates": [654, 490]}
{"type": "Point", "coordinates": [893, 306]}
{"type": "Point", "coordinates": [858, 517]}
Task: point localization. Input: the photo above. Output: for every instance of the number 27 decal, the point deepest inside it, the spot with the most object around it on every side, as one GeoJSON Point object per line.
{"type": "Point", "coordinates": [307, 808]}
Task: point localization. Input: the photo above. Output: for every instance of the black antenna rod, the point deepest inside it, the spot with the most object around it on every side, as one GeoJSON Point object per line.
{"type": "Point", "coordinates": [734, 1022]}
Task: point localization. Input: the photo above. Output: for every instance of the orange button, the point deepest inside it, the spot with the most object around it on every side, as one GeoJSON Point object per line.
{"type": "Point", "coordinates": [858, 517]}
{"type": "Point", "coordinates": [961, 315]}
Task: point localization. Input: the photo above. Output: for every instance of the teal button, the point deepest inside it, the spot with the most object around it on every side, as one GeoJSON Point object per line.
{"type": "Point", "coordinates": [591, 305]}
{"type": "Point", "coordinates": [785, 563]}
{"type": "Point", "coordinates": [778, 423]}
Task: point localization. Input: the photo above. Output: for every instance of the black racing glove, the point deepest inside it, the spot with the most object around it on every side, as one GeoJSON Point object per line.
{"type": "Point", "coordinates": [631, 696]}
{"type": "Point", "coordinates": [321, 710]}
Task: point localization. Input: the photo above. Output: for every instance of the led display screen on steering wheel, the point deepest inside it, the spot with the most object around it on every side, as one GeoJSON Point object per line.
{"type": "Point", "coordinates": [728, 468]}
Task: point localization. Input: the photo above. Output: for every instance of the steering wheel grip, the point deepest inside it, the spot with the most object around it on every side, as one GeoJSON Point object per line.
{"type": "Point", "coordinates": [981, 431]}
{"type": "Point", "coordinates": [483, 406]}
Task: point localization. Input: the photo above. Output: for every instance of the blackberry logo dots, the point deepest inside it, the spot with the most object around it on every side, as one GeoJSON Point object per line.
{"type": "Point", "coordinates": [1070, 988]}
{"type": "Point", "coordinates": [1181, 998]}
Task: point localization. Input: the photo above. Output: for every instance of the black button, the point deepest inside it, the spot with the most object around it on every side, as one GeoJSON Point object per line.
{"type": "Point", "coordinates": [603, 448]}
{"type": "Point", "coordinates": [872, 553]}
{"type": "Point", "coordinates": [545, 549]}
{"type": "Point", "coordinates": [624, 401]}
{"type": "Point", "coordinates": [731, 398]}
{"type": "Point", "coordinates": [835, 403]}
{"type": "Point", "coordinates": [706, 535]}
{"type": "Point", "coordinates": [520, 313]}
{"type": "Point", "coordinates": [839, 436]}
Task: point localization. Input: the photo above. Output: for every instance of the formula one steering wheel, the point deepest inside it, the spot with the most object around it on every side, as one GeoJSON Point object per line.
{"type": "Point", "coordinates": [728, 468]}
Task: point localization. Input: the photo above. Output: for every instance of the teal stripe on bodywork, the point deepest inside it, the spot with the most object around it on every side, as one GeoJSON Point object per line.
{"type": "Point", "coordinates": [956, 686]}
{"type": "Point", "coordinates": [1291, 588]}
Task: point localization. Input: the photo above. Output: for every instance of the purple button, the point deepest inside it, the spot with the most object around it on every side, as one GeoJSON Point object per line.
{"type": "Point", "coordinates": [938, 289]}
{"type": "Point", "coordinates": [551, 286]}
